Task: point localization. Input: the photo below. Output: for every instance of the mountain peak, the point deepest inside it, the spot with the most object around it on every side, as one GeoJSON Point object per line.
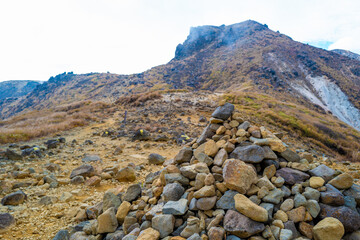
{"type": "Point", "coordinates": [203, 36]}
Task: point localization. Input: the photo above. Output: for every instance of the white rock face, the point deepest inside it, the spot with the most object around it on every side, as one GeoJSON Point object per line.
{"type": "Point", "coordinates": [331, 98]}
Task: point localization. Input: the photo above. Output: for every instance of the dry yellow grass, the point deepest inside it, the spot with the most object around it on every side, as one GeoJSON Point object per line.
{"type": "Point", "coordinates": [308, 125]}
{"type": "Point", "coordinates": [45, 122]}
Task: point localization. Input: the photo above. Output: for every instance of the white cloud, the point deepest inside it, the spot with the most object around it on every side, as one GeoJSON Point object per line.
{"type": "Point", "coordinates": [41, 38]}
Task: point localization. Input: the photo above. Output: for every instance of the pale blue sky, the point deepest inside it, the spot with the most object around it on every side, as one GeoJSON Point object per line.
{"type": "Point", "coordinates": [41, 38]}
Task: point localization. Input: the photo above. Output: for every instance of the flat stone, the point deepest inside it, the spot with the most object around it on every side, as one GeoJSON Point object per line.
{"type": "Point", "coordinates": [343, 181]}
{"type": "Point", "coordinates": [91, 158]}
{"type": "Point", "coordinates": [292, 176]}
{"type": "Point", "coordinates": [85, 170]}
{"type": "Point", "coordinates": [238, 176]}
{"type": "Point", "coordinates": [176, 207]}
{"type": "Point", "coordinates": [349, 218]}
{"type": "Point", "coordinates": [241, 226]}
{"type": "Point", "coordinates": [323, 171]}
{"type": "Point", "coordinates": [249, 154]}
{"type": "Point", "coordinates": [176, 177]}
{"type": "Point", "coordinates": [290, 156]}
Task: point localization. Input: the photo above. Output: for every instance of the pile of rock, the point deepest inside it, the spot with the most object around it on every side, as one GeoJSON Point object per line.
{"type": "Point", "coordinates": [237, 181]}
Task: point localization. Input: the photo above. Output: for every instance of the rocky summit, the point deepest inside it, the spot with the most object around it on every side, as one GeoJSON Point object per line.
{"type": "Point", "coordinates": [234, 183]}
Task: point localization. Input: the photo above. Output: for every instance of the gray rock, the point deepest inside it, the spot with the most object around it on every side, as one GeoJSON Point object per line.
{"type": "Point", "coordinates": [91, 158]}
{"type": "Point", "coordinates": [207, 133]}
{"type": "Point", "coordinates": [6, 220]}
{"type": "Point", "coordinates": [110, 200]}
{"type": "Point", "coordinates": [348, 217]}
{"type": "Point", "coordinates": [77, 180]}
{"type": "Point", "coordinates": [195, 236]}
{"type": "Point", "coordinates": [249, 154]}
{"type": "Point", "coordinates": [323, 171]}
{"type": "Point", "coordinates": [245, 125]}
{"type": "Point", "coordinates": [290, 156]}
{"type": "Point", "coordinates": [163, 223]}
{"type": "Point", "coordinates": [268, 153]}
{"type": "Point", "coordinates": [299, 200]}
{"type": "Point", "coordinates": [311, 193]}
{"type": "Point", "coordinates": [12, 155]}
{"type": "Point", "coordinates": [290, 225]}
{"type": "Point", "coordinates": [176, 207]}
{"type": "Point", "coordinates": [156, 159]}
{"type": "Point", "coordinates": [350, 202]}
{"type": "Point", "coordinates": [313, 208]}
{"type": "Point", "coordinates": [354, 192]}
{"type": "Point", "coordinates": [85, 170]}
{"type": "Point", "coordinates": [292, 176]}
{"type": "Point", "coordinates": [132, 193]}
{"type": "Point", "coordinates": [227, 200]}
{"type": "Point", "coordinates": [206, 203]}
{"type": "Point", "coordinates": [14, 198]}
{"type": "Point", "coordinates": [286, 234]}
{"type": "Point", "coordinates": [176, 177]}
{"type": "Point", "coordinates": [239, 225]}
{"type": "Point", "coordinates": [223, 112]}
{"type": "Point", "coordinates": [269, 208]}
{"type": "Point", "coordinates": [274, 196]}
{"type": "Point", "coordinates": [173, 191]}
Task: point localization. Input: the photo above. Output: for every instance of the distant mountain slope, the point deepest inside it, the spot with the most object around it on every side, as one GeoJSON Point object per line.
{"type": "Point", "coordinates": [16, 88]}
{"type": "Point", "coordinates": [246, 56]}
{"type": "Point", "coordinates": [347, 54]}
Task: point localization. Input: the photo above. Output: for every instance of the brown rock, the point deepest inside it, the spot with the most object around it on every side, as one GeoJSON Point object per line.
{"type": "Point", "coordinates": [211, 148]}
{"type": "Point", "coordinates": [297, 214]}
{"type": "Point", "coordinates": [246, 207]}
{"type": "Point", "coordinates": [238, 176]}
{"type": "Point", "coordinates": [149, 233]}
{"type": "Point", "coordinates": [343, 181]}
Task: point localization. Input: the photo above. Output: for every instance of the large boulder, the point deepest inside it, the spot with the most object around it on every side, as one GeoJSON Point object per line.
{"type": "Point", "coordinates": [238, 176]}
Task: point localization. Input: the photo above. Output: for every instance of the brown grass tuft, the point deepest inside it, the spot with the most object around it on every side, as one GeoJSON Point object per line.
{"type": "Point", "coordinates": [139, 98]}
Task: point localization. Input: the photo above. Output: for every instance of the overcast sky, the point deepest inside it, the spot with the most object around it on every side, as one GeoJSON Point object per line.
{"type": "Point", "coordinates": [41, 38]}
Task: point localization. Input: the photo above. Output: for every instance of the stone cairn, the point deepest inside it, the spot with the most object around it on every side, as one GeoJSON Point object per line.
{"type": "Point", "coordinates": [236, 181]}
